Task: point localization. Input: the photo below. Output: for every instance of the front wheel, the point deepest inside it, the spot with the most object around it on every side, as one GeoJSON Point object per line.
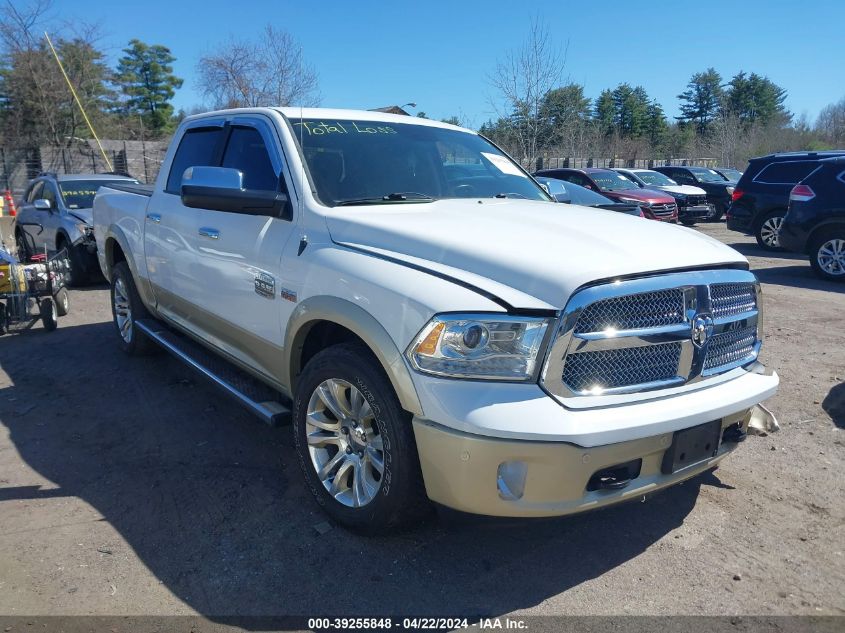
{"type": "Point", "coordinates": [688, 222]}
{"type": "Point", "coordinates": [355, 444]}
{"type": "Point", "coordinates": [827, 255]}
{"type": "Point", "coordinates": [768, 231]}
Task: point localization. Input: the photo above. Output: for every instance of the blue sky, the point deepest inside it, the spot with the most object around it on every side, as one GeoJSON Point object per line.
{"type": "Point", "coordinates": [439, 54]}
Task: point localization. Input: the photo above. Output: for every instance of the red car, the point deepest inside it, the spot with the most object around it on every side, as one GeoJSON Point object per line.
{"type": "Point", "coordinates": [655, 205]}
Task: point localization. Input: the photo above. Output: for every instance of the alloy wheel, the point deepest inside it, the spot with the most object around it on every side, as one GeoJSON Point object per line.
{"type": "Point", "coordinates": [122, 310]}
{"type": "Point", "coordinates": [770, 231]}
{"type": "Point", "coordinates": [831, 256]}
{"type": "Point", "coordinates": [346, 449]}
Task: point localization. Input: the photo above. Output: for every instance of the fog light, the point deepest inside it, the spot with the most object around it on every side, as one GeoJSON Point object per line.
{"type": "Point", "coordinates": [510, 480]}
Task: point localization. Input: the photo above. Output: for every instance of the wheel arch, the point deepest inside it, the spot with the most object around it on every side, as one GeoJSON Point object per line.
{"type": "Point", "coordinates": [821, 229]}
{"type": "Point", "coordinates": [321, 321]}
{"type": "Point", "coordinates": [116, 249]}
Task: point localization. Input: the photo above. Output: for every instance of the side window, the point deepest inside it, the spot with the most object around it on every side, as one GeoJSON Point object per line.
{"type": "Point", "coordinates": [48, 193]}
{"type": "Point", "coordinates": [247, 152]}
{"type": "Point", "coordinates": [683, 177]}
{"type": "Point", "coordinates": [35, 192]}
{"type": "Point", "coordinates": [788, 173]}
{"type": "Point", "coordinates": [197, 148]}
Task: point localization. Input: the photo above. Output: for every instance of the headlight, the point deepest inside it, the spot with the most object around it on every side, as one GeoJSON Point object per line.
{"type": "Point", "coordinates": [640, 203]}
{"type": "Point", "coordinates": [679, 196]}
{"type": "Point", "coordinates": [85, 229]}
{"type": "Point", "coordinates": [479, 346]}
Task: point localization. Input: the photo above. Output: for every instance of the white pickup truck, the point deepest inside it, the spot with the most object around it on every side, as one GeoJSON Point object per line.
{"type": "Point", "coordinates": [434, 325]}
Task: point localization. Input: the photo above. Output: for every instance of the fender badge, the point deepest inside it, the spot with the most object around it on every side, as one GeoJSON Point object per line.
{"type": "Point", "coordinates": [265, 285]}
{"type": "Point", "coordinates": [288, 295]}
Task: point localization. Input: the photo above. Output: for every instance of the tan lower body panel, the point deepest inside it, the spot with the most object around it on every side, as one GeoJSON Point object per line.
{"type": "Point", "coordinates": [460, 470]}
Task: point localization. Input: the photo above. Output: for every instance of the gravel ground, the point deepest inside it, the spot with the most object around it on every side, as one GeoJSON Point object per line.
{"type": "Point", "coordinates": [129, 486]}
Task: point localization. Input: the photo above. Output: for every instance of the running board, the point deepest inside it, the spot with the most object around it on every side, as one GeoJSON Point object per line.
{"type": "Point", "coordinates": [250, 392]}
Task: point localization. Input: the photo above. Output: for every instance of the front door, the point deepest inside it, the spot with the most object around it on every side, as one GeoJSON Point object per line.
{"type": "Point", "coordinates": [239, 256]}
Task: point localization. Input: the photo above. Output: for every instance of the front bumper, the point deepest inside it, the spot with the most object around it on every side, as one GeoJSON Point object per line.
{"type": "Point", "coordinates": [699, 212]}
{"type": "Point", "coordinates": [499, 477]}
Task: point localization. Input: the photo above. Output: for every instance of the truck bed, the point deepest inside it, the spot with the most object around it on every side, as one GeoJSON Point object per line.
{"type": "Point", "coordinates": [141, 190]}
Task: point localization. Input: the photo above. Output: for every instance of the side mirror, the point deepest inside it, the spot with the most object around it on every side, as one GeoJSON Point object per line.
{"type": "Point", "coordinates": [221, 189]}
{"type": "Point", "coordinates": [42, 204]}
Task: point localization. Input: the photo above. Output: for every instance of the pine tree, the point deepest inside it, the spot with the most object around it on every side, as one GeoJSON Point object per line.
{"type": "Point", "coordinates": [146, 76]}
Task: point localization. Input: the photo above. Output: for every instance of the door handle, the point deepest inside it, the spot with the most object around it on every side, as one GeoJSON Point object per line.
{"type": "Point", "coordinates": [211, 234]}
{"type": "Point", "coordinates": [154, 217]}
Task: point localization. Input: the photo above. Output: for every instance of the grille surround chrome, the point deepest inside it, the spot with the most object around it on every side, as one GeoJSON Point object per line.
{"type": "Point", "coordinates": [735, 312]}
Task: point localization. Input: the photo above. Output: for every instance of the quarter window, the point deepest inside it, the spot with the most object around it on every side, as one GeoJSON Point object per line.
{"type": "Point", "coordinates": [247, 152]}
{"type": "Point", "coordinates": [197, 148]}
{"type": "Point", "coordinates": [788, 173]}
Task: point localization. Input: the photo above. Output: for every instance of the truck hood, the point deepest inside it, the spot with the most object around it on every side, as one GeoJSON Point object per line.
{"type": "Point", "coordinates": [530, 255]}
{"type": "Point", "coordinates": [688, 190]}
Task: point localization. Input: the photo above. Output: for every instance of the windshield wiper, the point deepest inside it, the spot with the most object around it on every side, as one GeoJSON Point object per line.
{"type": "Point", "coordinates": [400, 196]}
{"type": "Point", "coordinates": [511, 194]}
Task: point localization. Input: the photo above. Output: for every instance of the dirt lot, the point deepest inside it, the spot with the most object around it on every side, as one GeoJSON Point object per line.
{"type": "Point", "coordinates": [131, 487]}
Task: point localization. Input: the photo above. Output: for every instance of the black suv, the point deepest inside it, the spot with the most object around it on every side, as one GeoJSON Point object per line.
{"type": "Point", "coordinates": [762, 195]}
{"type": "Point", "coordinates": [717, 188]}
{"type": "Point", "coordinates": [815, 221]}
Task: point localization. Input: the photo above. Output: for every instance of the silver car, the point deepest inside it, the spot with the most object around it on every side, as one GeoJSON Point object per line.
{"type": "Point", "coordinates": [55, 214]}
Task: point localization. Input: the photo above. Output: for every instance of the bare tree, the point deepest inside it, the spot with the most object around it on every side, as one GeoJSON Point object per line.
{"type": "Point", "coordinates": [268, 71]}
{"type": "Point", "coordinates": [523, 78]}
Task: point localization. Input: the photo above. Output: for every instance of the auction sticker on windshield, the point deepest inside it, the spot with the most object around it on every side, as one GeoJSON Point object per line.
{"type": "Point", "coordinates": [503, 164]}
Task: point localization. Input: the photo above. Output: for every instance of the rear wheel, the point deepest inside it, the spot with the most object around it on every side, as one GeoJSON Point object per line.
{"type": "Point", "coordinates": [688, 222]}
{"type": "Point", "coordinates": [21, 246]}
{"type": "Point", "coordinates": [827, 255]}
{"type": "Point", "coordinates": [716, 212]}
{"type": "Point", "coordinates": [768, 230]}
{"type": "Point", "coordinates": [127, 308]}
{"type": "Point", "coordinates": [49, 314]}
{"type": "Point", "coordinates": [62, 302]}
{"type": "Point", "coordinates": [355, 444]}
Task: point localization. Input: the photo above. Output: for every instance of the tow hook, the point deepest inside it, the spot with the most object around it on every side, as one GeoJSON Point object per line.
{"type": "Point", "coordinates": [762, 421]}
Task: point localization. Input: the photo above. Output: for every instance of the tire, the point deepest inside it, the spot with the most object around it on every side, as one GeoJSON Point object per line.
{"type": "Point", "coordinates": [127, 308]}
{"type": "Point", "coordinates": [371, 426]}
{"type": "Point", "coordinates": [688, 222]}
{"type": "Point", "coordinates": [76, 274]}
{"type": "Point", "coordinates": [21, 246]}
{"type": "Point", "coordinates": [717, 213]}
{"type": "Point", "coordinates": [62, 299]}
{"type": "Point", "coordinates": [49, 316]}
{"type": "Point", "coordinates": [766, 231]}
{"type": "Point", "coordinates": [827, 255]}
{"type": "Point", "coordinates": [4, 326]}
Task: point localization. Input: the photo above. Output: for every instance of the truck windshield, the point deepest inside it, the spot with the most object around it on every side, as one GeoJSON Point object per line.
{"type": "Point", "coordinates": [79, 194]}
{"type": "Point", "coordinates": [372, 162]}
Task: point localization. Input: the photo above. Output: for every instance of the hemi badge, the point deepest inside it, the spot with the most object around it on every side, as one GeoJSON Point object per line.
{"type": "Point", "coordinates": [265, 285]}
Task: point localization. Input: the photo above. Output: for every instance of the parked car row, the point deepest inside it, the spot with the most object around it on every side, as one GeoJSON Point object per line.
{"type": "Point", "coordinates": [761, 198]}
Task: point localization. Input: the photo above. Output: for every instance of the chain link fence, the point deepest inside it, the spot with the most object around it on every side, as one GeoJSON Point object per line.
{"type": "Point", "coordinates": [139, 159]}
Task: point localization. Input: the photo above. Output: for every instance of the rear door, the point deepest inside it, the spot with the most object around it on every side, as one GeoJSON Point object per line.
{"type": "Point", "coordinates": [170, 226]}
{"type": "Point", "coordinates": [238, 266]}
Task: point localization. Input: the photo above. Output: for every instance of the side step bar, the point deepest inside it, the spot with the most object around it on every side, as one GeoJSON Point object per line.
{"type": "Point", "coordinates": [250, 392]}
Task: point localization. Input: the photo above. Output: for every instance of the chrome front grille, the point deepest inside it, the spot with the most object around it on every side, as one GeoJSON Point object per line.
{"type": "Point", "coordinates": [663, 210]}
{"type": "Point", "coordinates": [648, 309]}
{"type": "Point", "coordinates": [731, 347]}
{"type": "Point", "coordinates": [615, 368]}
{"type": "Point", "coordinates": [732, 299]}
{"type": "Point", "coordinates": [652, 333]}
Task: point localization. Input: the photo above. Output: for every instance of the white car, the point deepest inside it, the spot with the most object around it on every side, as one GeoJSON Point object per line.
{"type": "Point", "coordinates": [434, 325]}
{"type": "Point", "coordinates": [692, 201]}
